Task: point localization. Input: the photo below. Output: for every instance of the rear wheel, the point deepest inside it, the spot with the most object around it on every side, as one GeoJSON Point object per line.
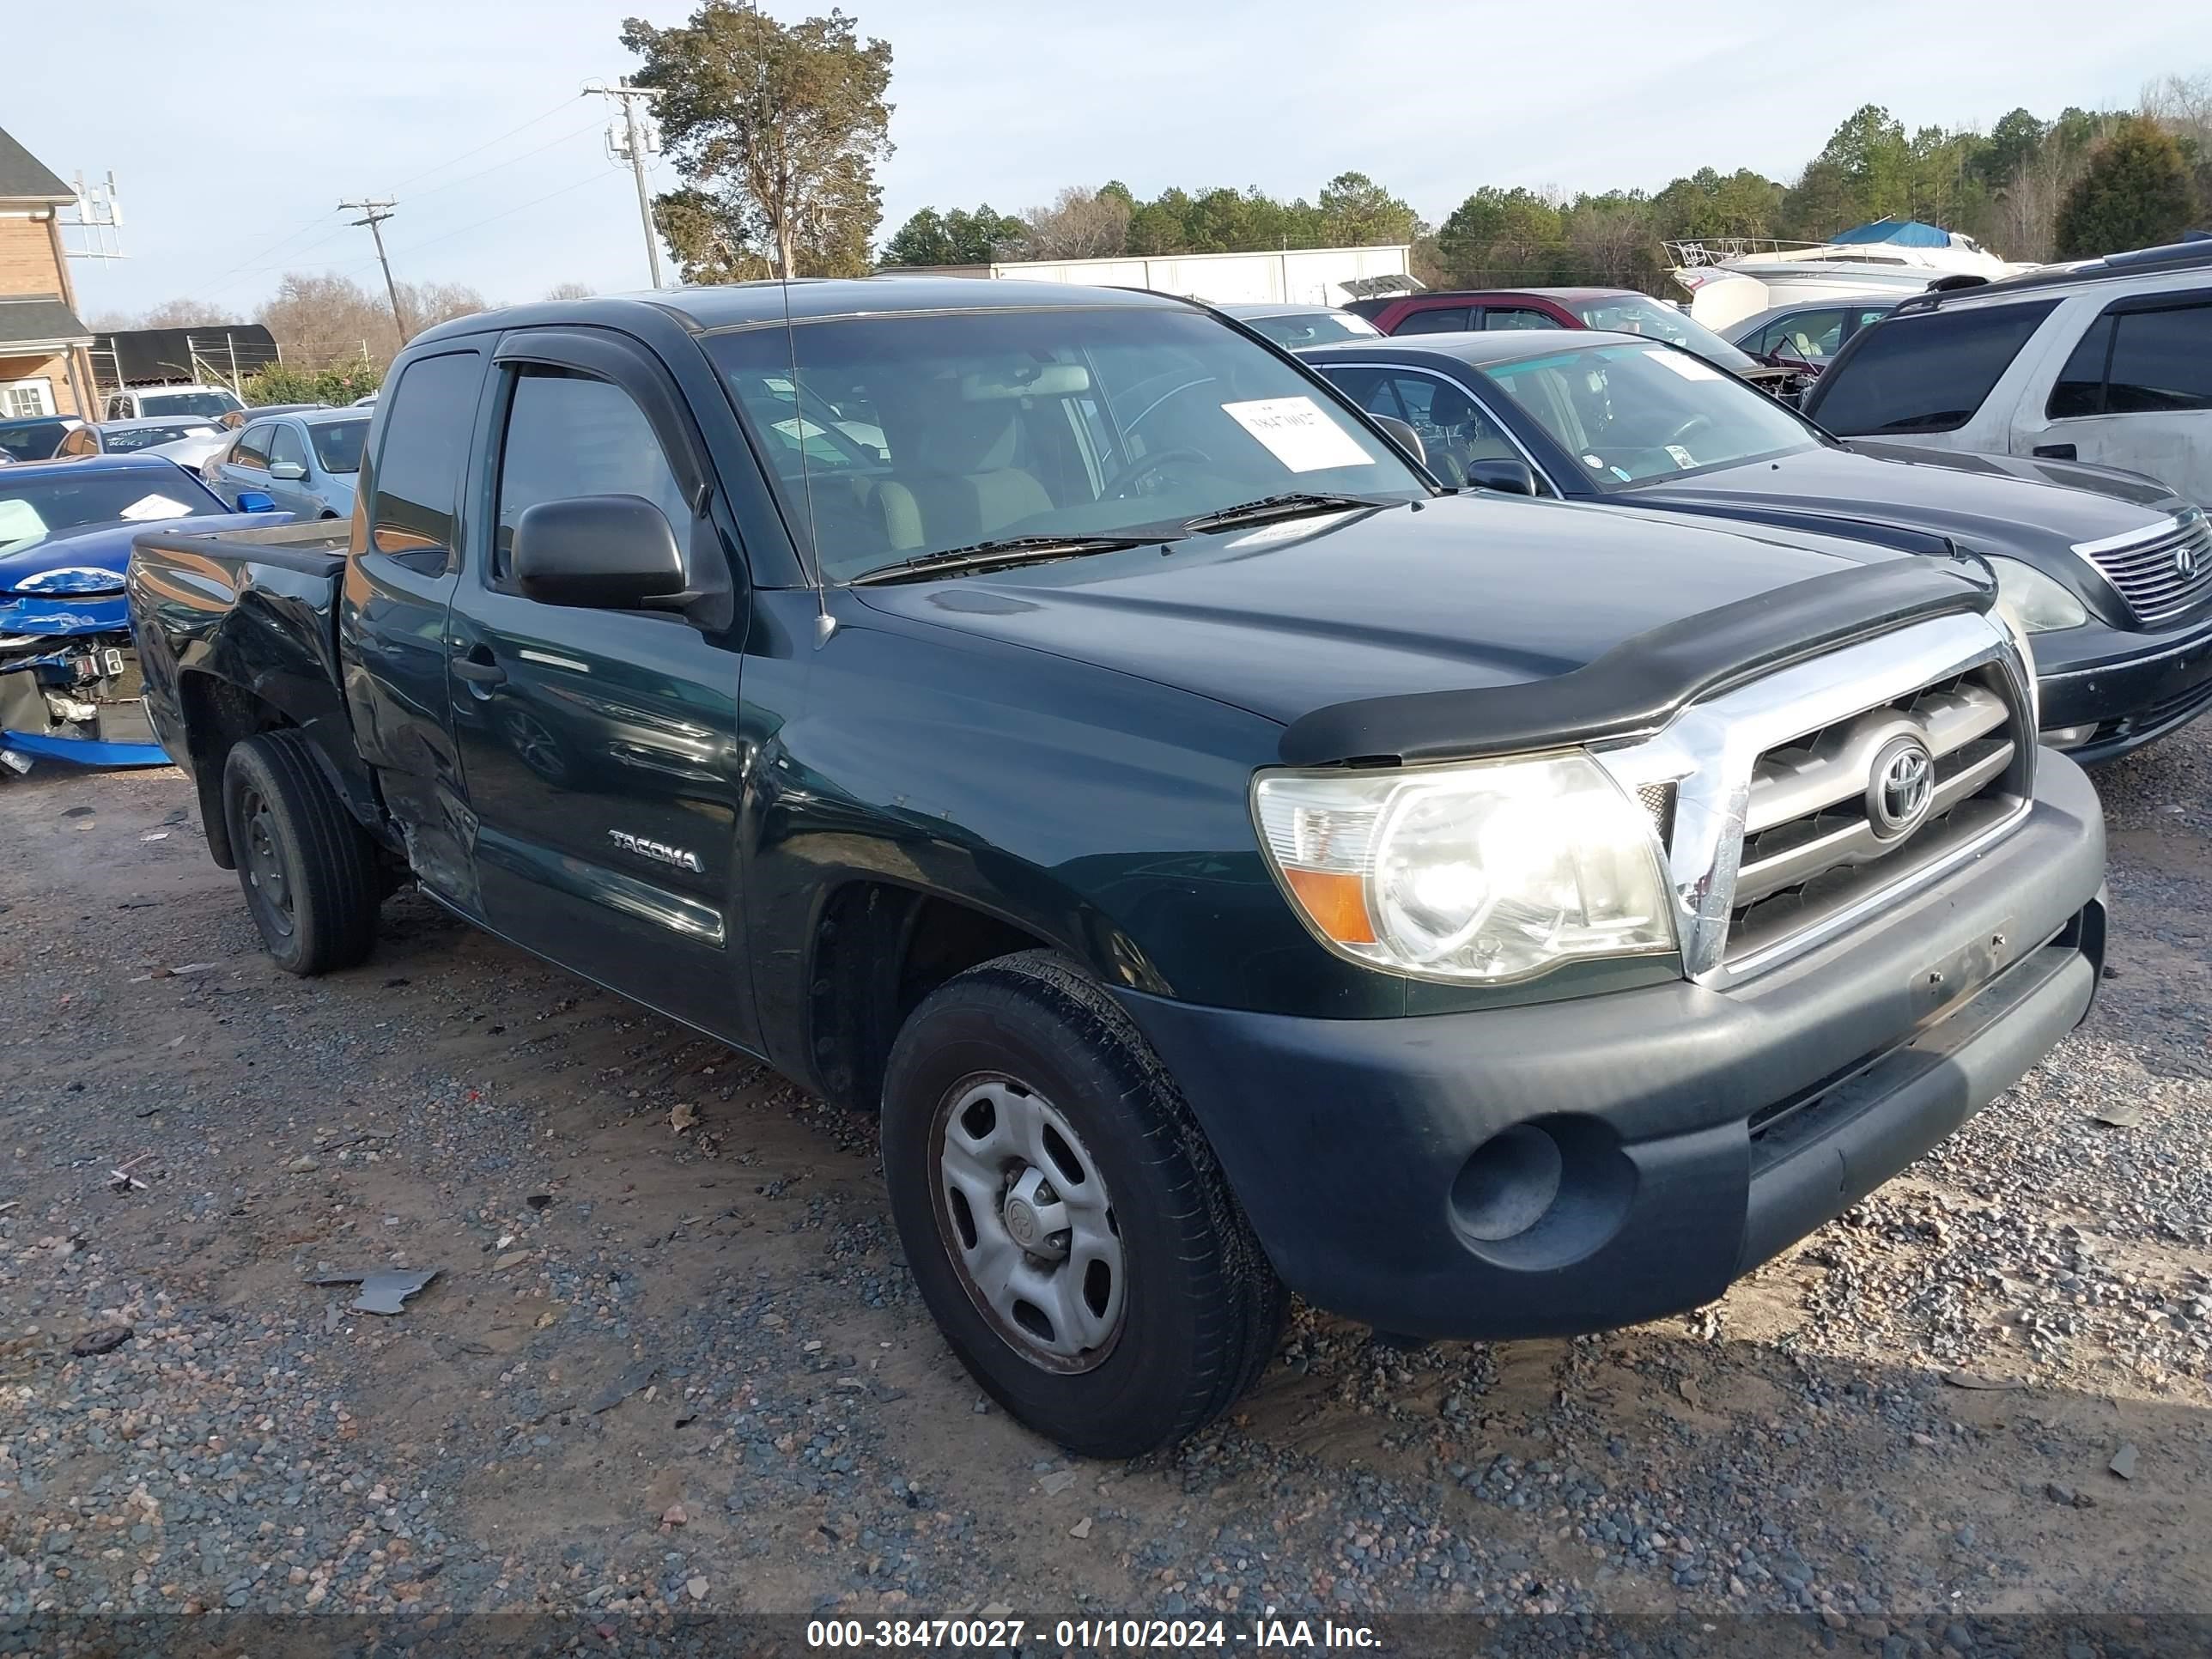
{"type": "Point", "coordinates": [308, 869]}
{"type": "Point", "coordinates": [1067, 1222]}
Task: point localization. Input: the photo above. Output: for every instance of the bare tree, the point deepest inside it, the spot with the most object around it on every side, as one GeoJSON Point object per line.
{"type": "Point", "coordinates": [428, 303]}
{"type": "Point", "coordinates": [170, 313]}
{"type": "Point", "coordinates": [322, 320]}
{"type": "Point", "coordinates": [570, 291]}
{"type": "Point", "coordinates": [1080, 224]}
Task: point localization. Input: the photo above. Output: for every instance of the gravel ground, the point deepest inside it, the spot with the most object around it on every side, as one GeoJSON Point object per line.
{"type": "Point", "coordinates": [672, 1369]}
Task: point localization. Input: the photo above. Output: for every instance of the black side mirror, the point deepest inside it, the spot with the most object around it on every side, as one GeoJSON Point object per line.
{"type": "Point", "coordinates": [1506, 476]}
{"type": "Point", "coordinates": [1402, 435]}
{"type": "Point", "coordinates": [607, 552]}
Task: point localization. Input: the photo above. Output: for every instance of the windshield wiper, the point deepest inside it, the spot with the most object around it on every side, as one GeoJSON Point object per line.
{"type": "Point", "coordinates": [1001, 552]}
{"type": "Point", "coordinates": [1293, 505]}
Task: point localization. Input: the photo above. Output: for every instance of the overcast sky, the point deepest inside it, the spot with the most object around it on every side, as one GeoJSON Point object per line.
{"type": "Point", "coordinates": [233, 130]}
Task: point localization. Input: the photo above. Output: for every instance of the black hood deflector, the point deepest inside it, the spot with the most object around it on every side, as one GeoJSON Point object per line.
{"type": "Point", "coordinates": [1640, 684]}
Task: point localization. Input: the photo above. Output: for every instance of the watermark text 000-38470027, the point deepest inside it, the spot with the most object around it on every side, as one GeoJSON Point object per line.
{"type": "Point", "coordinates": [1091, 1634]}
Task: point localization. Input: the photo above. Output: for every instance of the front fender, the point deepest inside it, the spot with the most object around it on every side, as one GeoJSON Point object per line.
{"type": "Point", "coordinates": [1101, 814]}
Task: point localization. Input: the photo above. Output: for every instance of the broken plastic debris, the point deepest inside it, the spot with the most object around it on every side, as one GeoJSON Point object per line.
{"type": "Point", "coordinates": [105, 1339]}
{"type": "Point", "coordinates": [381, 1291]}
{"type": "Point", "coordinates": [626, 1385]}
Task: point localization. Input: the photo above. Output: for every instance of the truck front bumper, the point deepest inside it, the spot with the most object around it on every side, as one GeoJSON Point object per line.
{"type": "Point", "coordinates": [1574, 1166]}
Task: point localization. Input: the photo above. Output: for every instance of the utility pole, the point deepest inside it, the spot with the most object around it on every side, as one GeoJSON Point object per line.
{"type": "Point", "coordinates": [638, 140]}
{"type": "Point", "coordinates": [377, 213]}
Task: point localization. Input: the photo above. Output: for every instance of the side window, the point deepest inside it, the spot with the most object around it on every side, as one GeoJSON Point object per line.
{"type": "Point", "coordinates": [284, 445]}
{"type": "Point", "coordinates": [1436, 319]}
{"type": "Point", "coordinates": [570, 434]}
{"type": "Point", "coordinates": [1925, 373]}
{"type": "Point", "coordinates": [79, 442]}
{"type": "Point", "coordinates": [2161, 362]}
{"type": "Point", "coordinates": [251, 448]}
{"type": "Point", "coordinates": [1507, 316]}
{"type": "Point", "coordinates": [426, 435]}
{"type": "Point", "coordinates": [118, 409]}
{"type": "Point", "coordinates": [2080, 388]}
{"type": "Point", "coordinates": [1369, 388]}
{"type": "Point", "coordinates": [1811, 336]}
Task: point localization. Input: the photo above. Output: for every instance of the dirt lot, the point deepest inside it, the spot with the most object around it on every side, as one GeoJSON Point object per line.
{"type": "Point", "coordinates": [672, 1367]}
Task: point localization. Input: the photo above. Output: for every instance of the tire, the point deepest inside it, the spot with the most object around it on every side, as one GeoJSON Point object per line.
{"type": "Point", "coordinates": [308, 871]}
{"type": "Point", "coordinates": [1180, 1310]}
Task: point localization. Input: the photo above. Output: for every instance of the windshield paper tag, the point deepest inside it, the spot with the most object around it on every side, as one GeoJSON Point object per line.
{"type": "Point", "coordinates": [1689, 367]}
{"type": "Point", "coordinates": [155, 507]}
{"type": "Point", "coordinates": [1296, 434]}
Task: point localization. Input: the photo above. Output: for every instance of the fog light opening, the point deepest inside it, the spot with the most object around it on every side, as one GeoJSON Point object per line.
{"type": "Point", "coordinates": [2065, 737]}
{"type": "Point", "coordinates": [1509, 1183]}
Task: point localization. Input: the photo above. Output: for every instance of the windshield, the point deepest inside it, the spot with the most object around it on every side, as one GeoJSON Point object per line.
{"type": "Point", "coordinates": [186, 403]}
{"type": "Point", "coordinates": [924, 433]}
{"type": "Point", "coordinates": [32, 441]}
{"type": "Point", "coordinates": [33, 509]}
{"type": "Point", "coordinates": [1631, 313]}
{"type": "Point", "coordinates": [1630, 412]}
{"type": "Point", "coordinates": [1306, 328]}
{"type": "Point", "coordinates": [338, 444]}
{"type": "Point", "coordinates": [121, 440]}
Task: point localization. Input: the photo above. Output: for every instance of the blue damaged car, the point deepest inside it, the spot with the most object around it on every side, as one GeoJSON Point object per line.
{"type": "Point", "coordinates": [69, 676]}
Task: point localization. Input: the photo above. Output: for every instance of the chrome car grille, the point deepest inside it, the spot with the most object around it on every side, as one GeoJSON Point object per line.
{"type": "Point", "coordinates": [1800, 805]}
{"type": "Point", "coordinates": [1821, 824]}
{"type": "Point", "coordinates": [2162, 574]}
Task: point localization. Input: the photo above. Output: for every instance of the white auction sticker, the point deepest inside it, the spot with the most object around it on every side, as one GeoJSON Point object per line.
{"type": "Point", "coordinates": [1298, 433]}
{"type": "Point", "coordinates": [1689, 367]}
{"type": "Point", "coordinates": [155, 507]}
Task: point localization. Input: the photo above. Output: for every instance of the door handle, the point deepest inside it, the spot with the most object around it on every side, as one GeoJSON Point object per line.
{"type": "Point", "coordinates": [2054, 452]}
{"type": "Point", "coordinates": [478, 669]}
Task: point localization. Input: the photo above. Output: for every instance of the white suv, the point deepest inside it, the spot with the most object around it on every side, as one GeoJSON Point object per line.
{"type": "Point", "coordinates": [2108, 363]}
{"type": "Point", "coordinates": [138, 402]}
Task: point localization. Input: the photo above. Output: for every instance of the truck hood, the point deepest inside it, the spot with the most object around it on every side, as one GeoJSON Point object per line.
{"type": "Point", "coordinates": [1985, 503]}
{"type": "Point", "coordinates": [1458, 594]}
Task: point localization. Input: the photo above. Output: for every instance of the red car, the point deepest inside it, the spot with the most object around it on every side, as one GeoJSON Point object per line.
{"type": "Point", "coordinates": [1622, 310]}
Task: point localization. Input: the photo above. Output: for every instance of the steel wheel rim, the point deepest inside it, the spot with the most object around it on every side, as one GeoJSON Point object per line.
{"type": "Point", "coordinates": [1028, 1223]}
{"type": "Point", "coordinates": [265, 863]}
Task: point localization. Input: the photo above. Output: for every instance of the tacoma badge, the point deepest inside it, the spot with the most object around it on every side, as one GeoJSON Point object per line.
{"type": "Point", "coordinates": [658, 851]}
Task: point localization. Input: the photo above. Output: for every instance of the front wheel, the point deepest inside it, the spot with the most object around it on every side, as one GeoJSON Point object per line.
{"type": "Point", "coordinates": [1067, 1222]}
{"type": "Point", "coordinates": [308, 869]}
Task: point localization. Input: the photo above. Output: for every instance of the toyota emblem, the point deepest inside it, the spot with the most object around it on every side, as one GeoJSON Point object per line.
{"type": "Point", "coordinates": [2184, 563]}
{"type": "Point", "coordinates": [1900, 788]}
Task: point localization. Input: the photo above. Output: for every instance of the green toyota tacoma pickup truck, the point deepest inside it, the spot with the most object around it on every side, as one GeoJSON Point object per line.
{"type": "Point", "coordinates": [1233, 864]}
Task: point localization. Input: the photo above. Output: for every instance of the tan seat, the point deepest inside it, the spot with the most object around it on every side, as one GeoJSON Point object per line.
{"type": "Point", "coordinates": [952, 479]}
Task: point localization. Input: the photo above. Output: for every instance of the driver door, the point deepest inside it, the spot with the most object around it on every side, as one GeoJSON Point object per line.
{"type": "Point", "coordinates": [600, 746]}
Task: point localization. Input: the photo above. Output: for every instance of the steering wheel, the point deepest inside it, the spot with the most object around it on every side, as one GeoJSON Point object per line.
{"type": "Point", "coordinates": [1692, 424]}
{"type": "Point", "coordinates": [1151, 464]}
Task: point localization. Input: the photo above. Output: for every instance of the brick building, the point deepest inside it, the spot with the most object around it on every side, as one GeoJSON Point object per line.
{"type": "Point", "coordinates": [44, 367]}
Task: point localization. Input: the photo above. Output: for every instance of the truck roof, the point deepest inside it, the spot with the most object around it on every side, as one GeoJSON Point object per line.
{"type": "Point", "coordinates": [735, 305]}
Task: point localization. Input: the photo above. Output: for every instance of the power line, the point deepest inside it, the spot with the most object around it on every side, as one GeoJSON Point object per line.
{"type": "Point", "coordinates": [522, 157]}
{"type": "Point", "coordinates": [417, 248]}
{"type": "Point", "coordinates": [487, 144]}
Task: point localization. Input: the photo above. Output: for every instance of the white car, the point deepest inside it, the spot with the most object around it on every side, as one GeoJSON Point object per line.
{"type": "Point", "coordinates": [2109, 361]}
{"type": "Point", "coordinates": [133, 403]}
{"type": "Point", "coordinates": [192, 453]}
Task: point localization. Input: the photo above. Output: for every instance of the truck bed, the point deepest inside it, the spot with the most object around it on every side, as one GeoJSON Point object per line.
{"type": "Point", "coordinates": [314, 548]}
{"type": "Point", "coordinates": [236, 620]}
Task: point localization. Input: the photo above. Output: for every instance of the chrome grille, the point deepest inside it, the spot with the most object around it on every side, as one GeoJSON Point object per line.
{"type": "Point", "coordinates": [2163, 572]}
{"type": "Point", "coordinates": [1812, 835]}
{"type": "Point", "coordinates": [1778, 836]}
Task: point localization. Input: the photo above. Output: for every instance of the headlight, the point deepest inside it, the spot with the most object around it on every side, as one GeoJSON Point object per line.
{"type": "Point", "coordinates": [2039, 604]}
{"type": "Point", "coordinates": [1484, 873]}
{"type": "Point", "coordinates": [75, 580]}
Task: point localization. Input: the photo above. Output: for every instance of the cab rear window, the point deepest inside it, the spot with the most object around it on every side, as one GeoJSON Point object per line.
{"type": "Point", "coordinates": [1925, 374]}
